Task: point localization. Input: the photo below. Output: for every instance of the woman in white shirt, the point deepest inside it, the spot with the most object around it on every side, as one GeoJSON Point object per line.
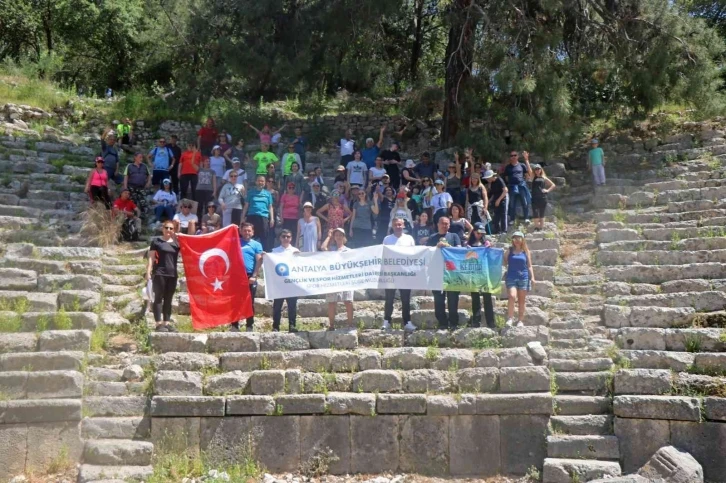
{"type": "Point", "coordinates": [164, 201]}
{"type": "Point", "coordinates": [441, 201]}
{"type": "Point", "coordinates": [217, 162]}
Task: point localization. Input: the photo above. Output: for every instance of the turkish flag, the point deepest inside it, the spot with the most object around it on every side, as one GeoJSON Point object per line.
{"type": "Point", "coordinates": [219, 292]}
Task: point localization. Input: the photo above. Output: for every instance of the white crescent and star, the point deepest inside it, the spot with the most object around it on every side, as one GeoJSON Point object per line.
{"type": "Point", "coordinates": [214, 252]}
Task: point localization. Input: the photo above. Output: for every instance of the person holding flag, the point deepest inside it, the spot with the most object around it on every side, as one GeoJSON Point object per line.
{"type": "Point", "coordinates": [218, 287]}
{"type": "Point", "coordinates": [442, 239]}
{"type": "Point", "coordinates": [161, 270]}
{"type": "Point", "coordinates": [478, 238]}
{"type": "Point", "coordinates": [252, 255]}
{"type": "Point", "coordinates": [401, 239]}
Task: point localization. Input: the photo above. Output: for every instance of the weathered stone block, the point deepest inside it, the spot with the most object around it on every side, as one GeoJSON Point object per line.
{"type": "Point", "coordinates": [424, 445]}
{"type": "Point", "coordinates": [319, 434]}
{"type": "Point", "coordinates": [442, 406]}
{"type": "Point", "coordinates": [47, 441]}
{"type": "Point", "coordinates": [187, 406]}
{"type": "Point", "coordinates": [54, 384]}
{"type": "Point", "coordinates": [338, 339]}
{"type": "Point", "coordinates": [267, 382]}
{"type": "Point", "coordinates": [561, 470]}
{"type": "Point", "coordinates": [20, 342]}
{"type": "Point", "coordinates": [185, 361]}
{"type": "Point", "coordinates": [669, 464]}
{"type": "Point", "coordinates": [42, 411]}
{"type": "Point", "coordinates": [300, 404]}
{"type": "Point", "coordinates": [65, 340]}
{"type": "Point", "coordinates": [115, 406]}
{"type": "Point", "coordinates": [377, 381]}
{"type": "Point", "coordinates": [233, 342]}
{"type": "Point", "coordinates": [176, 435]}
{"type": "Point", "coordinates": [281, 341]}
{"type": "Point", "coordinates": [515, 357]}
{"type": "Point", "coordinates": [250, 405]}
{"type": "Point", "coordinates": [642, 381]}
{"type": "Point", "coordinates": [405, 358]}
{"type": "Point", "coordinates": [534, 403]}
{"type": "Point", "coordinates": [474, 445]}
{"type": "Point", "coordinates": [639, 439]}
{"type": "Point", "coordinates": [178, 342]}
{"type": "Point", "coordinates": [486, 358]}
{"type": "Point", "coordinates": [523, 443]}
{"type": "Point", "coordinates": [236, 382]}
{"type": "Point", "coordinates": [252, 361]}
{"type": "Point", "coordinates": [705, 442]}
{"type": "Point", "coordinates": [401, 404]}
{"type": "Point", "coordinates": [277, 442]}
{"type": "Point", "coordinates": [13, 450]}
{"type": "Point", "coordinates": [524, 379]}
{"type": "Point", "coordinates": [351, 403]}
{"type": "Point", "coordinates": [374, 444]}
{"type": "Point", "coordinates": [657, 407]}
{"type": "Point", "coordinates": [478, 379]}
{"type": "Point", "coordinates": [427, 380]}
{"type": "Point", "coordinates": [178, 383]}
{"type": "Point", "coordinates": [117, 452]}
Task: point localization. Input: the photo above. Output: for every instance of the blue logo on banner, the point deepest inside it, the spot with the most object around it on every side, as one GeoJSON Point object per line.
{"type": "Point", "coordinates": [282, 269]}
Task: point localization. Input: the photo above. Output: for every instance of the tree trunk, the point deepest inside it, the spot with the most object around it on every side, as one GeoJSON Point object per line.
{"type": "Point", "coordinates": [417, 46]}
{"type": "Point", "coordinates": [459, 55]}
{"type": "Point", "coordinates": [47, 26]}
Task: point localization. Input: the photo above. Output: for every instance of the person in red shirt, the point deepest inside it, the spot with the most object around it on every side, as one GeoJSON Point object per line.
{"type": "Point", "coordinates": [207, 137]}
{"type": "Point", "coordinates": [125, 205]}
{"type": "Point", "coordinates": [189, 164]}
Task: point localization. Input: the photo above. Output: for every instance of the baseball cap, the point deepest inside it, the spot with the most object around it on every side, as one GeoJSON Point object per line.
{"type": "Point", "coordinates": [334, 194]}
{"type": "Point", "coordinates": [339, 230]}
{"type": "Point", "coordinates": [438, 181]}
{"type": "Point", "coordinates": [594, 141]}
{"type": "Point", "coordinates": [385, 176]}
{"type": "Point", "coordinates": [488, 174]}
{"type": "Point", "coordinates": [518, 233]}
{"type": "Point", "coordinates": [216, 146]}
{"type": "Point", "coordinates": [536, 166]}
{"type": "Point", "coordinates": [308, 205]}
{"type": "Point", "coordinates": [235, 160]}
{"type": "Point", "coordinates": [315, 183]}
{"type": "Point", "coordinates": [369, 140]}
{"type": "Point", "coordinates": [479, 226]}
{"type": "Point", "coordinates": [167, 181]}
{"type": "Point", "coordinates": [410, 163]}
{"type": "Point", "coordinates": [99, 159]}
{"type": "Point", "coordinates": [210, 204]}
{"type": "Point", "coordinates": [340, 168]}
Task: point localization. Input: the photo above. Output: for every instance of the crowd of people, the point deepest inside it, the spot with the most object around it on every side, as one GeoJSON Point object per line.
{"type": "Point", "coordinates": [374, 198]}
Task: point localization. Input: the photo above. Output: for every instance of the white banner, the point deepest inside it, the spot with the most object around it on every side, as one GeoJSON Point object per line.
{"type": "Point", "coordinates": [418, 268]}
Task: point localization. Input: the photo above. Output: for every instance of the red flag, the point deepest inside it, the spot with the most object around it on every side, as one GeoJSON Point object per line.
{"type": "Point", "coordinates": [219, 291]}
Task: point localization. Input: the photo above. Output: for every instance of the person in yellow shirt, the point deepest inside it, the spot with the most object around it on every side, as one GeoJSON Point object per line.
{"type": "Point", "coordinates": [264, 158]}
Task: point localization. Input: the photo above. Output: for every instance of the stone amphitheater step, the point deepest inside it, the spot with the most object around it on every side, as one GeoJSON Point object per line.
{"type": "Point", "coordinates": [678, 340]}
{"type": "Point", "coordinates": [115, 452]}
{"type": "Point", "coordinates": [598, 447]}
{"type": "Point", "coordinates": [46, 341]}
{"type": "Point", "coordinates": [41, 384]}
{"type": "Point", "coordinates": [93, 473]}
{"type": "Point", "coordinates": [658, 215]}
{"type": "Point", "coordinates": [125, 428]}
{"type": "Point", "coordinates": [581, 365]}
{"type": "Point", "coordinates": [685, 244]}
{"type": "Point", "coordinates": [562, 470]}
{"type": "Point", "coordinates": [115, 407]}
{"type": "Point", "coordinates": [570, 405]}
{"type": "Point", "coordinates": [41, 361]}
{"type": "Point", "coordinates": [595, 383]}
{"type": "Point", "coordinates": [591, 424]}
{"type": "Point", "coordinates": [657, 274]}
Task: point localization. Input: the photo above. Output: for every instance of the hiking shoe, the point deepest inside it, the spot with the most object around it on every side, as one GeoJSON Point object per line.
{"type": "Point", "coordinates": [409, 327]}
{"type": "Point", "coordinates": [527, 222]}
{"type": "Point", "coordinates": [293, 330]}
{"type": "Point", "coordinates": [386, 325]}
{"type": "Point", "coordinates": [161, 328]}
{"type": "Point", "coordinates": [510, 322]}
{"type": "Point", "coordinates": [520, 324]}
{"type": "Point", "coordinates": [249, 329]}
{"type": "Point", "coordinates": [233, 328]}
{"type": "Point", "coordinates": [171, 328]}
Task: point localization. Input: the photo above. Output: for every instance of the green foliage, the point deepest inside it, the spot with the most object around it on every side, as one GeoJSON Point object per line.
{"type": "Point", "coordinates": [487, 343]}
{"type": "Point", "coordinates": [174, 466]}
{"type": "Point", "coordinates": [10, 322]}
{"type": "Point", "coordinates": [62, 321]}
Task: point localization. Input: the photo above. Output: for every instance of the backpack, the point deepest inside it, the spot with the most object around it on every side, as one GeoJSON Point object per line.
{"type": "Point", "coordinates": [129, 231]}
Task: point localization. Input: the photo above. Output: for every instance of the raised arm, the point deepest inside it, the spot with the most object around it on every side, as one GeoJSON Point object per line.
{"type": "Point", "coordinates": [380, 137]}
{"type": "Point", "coordinates": [253, 127]}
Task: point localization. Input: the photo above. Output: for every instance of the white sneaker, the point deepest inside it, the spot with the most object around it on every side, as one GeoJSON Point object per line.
{"type": "Point", "coordinates": [386, 325]}
{"type": "Point", "coordinates": [409, 327]}
{"type": "Point", "coordinates": [520, 324]}
{"type": "Point", "coordinates": [510, 322]}
{"type": "Point", "coordinates": [527, 222]}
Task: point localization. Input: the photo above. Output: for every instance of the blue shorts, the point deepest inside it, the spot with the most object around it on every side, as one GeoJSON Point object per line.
{"type": "Point", "coordinates": [519, 284]}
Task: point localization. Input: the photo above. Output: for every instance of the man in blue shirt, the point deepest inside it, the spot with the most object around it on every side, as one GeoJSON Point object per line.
{"type": "Point", "coordinates": [301, 146]}
{"type": "Point", "coordinates": [425, 169]}
{"type": "Point", "coordinates": [252, 257]}
{"type": "Point", "coordinates": [161, 158]}
{"type": "Point", "coordinates": [260, 212]}
{"type": "Point", "coordinates": [515, 174]}
{"type": "Point", "coordinates": [371, 151]}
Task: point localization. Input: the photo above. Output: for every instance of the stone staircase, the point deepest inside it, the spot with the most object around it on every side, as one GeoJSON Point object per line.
{"type": "Point", "coordinates": [622, 352]}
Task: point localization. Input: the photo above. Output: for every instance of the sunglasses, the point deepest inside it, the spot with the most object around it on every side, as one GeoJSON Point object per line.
{"type": "Point", "coordinates": [513, 155]}
{"type": "Point", "coordinates": [232, 175]}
